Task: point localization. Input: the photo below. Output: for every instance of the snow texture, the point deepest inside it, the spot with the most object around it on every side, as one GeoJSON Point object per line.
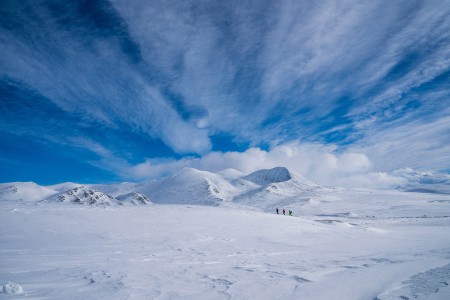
{"type": "Point", "coordinates": [12, 288]}
{"type": "Point", "coordinates": [339, 243]}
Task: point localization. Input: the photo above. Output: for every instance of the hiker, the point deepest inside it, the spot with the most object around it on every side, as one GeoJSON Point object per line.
{"type": "Point", "coordinates": [284, 212]}
{"type": "Point", "coordinates": [277, 211]}
{"type": "Point", "coordinates": [290, 212]}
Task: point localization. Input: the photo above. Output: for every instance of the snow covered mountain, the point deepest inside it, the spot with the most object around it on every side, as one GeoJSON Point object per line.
{"type": "Point", "coordinates": [264, 189]}
{"type": "Point", "coordinates": [264, 177]}
{"type": "Point", "coordinates": [190, 186]}
{"type": "Point", "coordinates": [24, 191]}
{"type": "Point", "coordinates": [84, 196]}
{"type": "Point", "coordinates": [274, 187]}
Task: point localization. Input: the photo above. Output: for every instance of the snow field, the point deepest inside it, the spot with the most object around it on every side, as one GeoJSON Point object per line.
{"type": "Point", "coordinates": [195, 252]}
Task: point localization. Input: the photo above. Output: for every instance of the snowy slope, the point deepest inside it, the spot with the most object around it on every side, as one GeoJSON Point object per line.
{"type": "Point", "coordinates": [190, 186]}
{"type": "Point", "coordinates": [339, 243]}
{"type": "Point", "coordinates": [25, 191]}
{"type": "Point", "coordinates": [277, 187]}
{"type": "Point", "coordinates": [264, 177]}
{"type": "Point", "coordinates": [133, 198]}
{"type": "Point", "coordinates": [84, 196]}
{"type": "Point", "coordinates": [263, 189]}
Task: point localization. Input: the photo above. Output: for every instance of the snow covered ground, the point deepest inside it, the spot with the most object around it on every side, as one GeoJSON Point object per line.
{"type": "Point", "coordinates": [202, 235]}
{"type": "Point", "coordinates": [340, 244]}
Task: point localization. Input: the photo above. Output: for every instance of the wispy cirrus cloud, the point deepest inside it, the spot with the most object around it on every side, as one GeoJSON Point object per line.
{"type": "Point", "coordinates": [357, 75]}
{"type": "Point", "coordinates": [422, 146]}
{"type": "Point", "coordinates": [280, 61]}
{"type": "Point", "coordinates": [79, 56]}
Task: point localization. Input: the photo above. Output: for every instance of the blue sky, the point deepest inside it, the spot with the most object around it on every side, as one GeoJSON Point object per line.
{"type": "Point", "coordinates": [107, 91]}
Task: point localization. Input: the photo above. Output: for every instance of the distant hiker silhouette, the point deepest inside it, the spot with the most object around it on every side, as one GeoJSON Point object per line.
{"type": "Point", "coordinates": [284, 212]}
{"type": "Point", "coordinates": [290, 212]}
{"type": "Point", "coordinates": [277, 211]}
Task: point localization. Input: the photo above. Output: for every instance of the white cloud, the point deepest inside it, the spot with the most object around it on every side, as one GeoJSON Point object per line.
{"type": "Point", "coordinates": [316, 162]}
{"type": "Point", "coordinates": [419, 145]}
{"type": "Point", "coordinates": [376, 180]}
{"type": "Point", "coordinates": [89, 75]}
{"type": "Point", "coordinates": [239, 65]}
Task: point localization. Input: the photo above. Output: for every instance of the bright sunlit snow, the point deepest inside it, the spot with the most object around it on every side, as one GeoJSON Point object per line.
{"type": "Point", "coordinates": [220, 149]}
{"type": "Point", "coordinates": [339, 244]}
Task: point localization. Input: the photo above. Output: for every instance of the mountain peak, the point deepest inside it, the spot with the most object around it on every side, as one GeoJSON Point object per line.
{"type": "Point", "coordinates": [267, 176]}
{"type": "Point", "coordinates": [24, 191]}
{"type": "Point", "coordinates": [85, 196]}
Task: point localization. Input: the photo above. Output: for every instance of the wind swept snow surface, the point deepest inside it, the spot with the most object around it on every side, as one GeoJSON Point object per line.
{"type": "Point", "coordinates": [345, 245]}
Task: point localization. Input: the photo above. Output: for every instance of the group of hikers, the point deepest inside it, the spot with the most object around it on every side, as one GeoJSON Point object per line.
{"type": "Point", "coordinates": [284, 212]}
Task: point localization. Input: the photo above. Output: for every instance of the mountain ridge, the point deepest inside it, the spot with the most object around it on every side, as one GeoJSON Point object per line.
{"type": "Point", "coordinates": [262, 188]}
